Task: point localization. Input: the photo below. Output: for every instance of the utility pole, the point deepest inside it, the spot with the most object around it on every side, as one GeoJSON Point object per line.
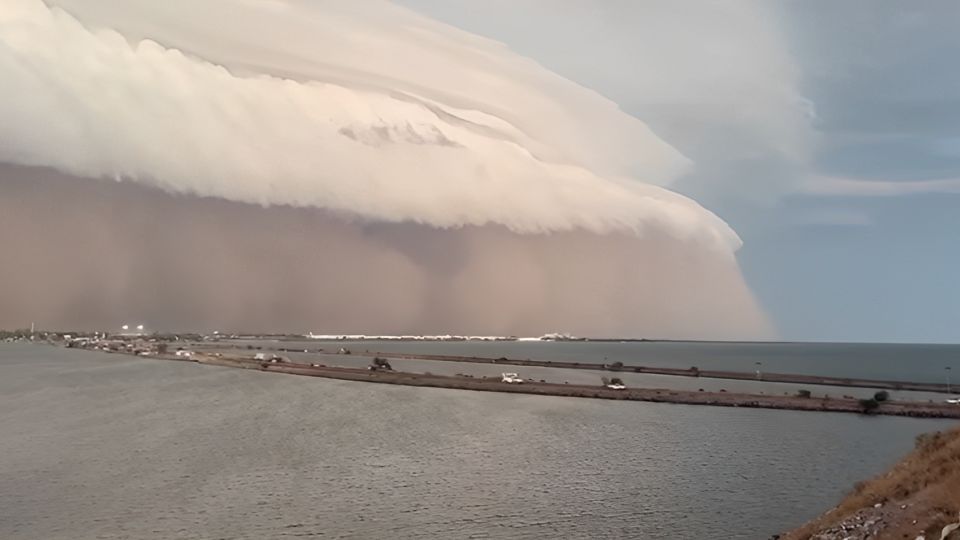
{"type": "Point", "coordinates": [947, 369]}
{"type": "Point", "coordinates": [758, 369]}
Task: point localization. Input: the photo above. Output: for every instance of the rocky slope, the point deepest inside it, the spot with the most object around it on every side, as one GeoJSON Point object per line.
{"type": "Point", "coordinates": [918, 498]}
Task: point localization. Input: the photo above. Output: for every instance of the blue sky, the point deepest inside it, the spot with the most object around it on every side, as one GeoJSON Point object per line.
{"type": "Point", "coordinates": [826, 133]}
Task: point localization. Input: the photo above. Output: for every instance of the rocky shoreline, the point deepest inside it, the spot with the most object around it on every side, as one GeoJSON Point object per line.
{"type": "Point", "coordinates": [918, 499]}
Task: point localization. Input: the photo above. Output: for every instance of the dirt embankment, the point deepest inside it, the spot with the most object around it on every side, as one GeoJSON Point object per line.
{"type": "Point", "coordinates": [719, 399]}
{"type": "Point", "coordinates": [918, 497]}
{"type": "Point", "coordinates": [692, 371]}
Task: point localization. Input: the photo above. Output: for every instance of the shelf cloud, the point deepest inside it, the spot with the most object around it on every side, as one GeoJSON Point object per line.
{"type": "Point", "coordinates": [434, 169]}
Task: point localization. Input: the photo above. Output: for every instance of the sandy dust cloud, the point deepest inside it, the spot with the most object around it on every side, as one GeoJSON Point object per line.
{"type": "Point", "coordinates": [327, 167]}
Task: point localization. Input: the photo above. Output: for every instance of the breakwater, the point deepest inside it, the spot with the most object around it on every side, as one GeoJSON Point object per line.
{"type": "Point", "coordinates": [719, 399]}
{"type": "Point", "coordinates": [693, 371]}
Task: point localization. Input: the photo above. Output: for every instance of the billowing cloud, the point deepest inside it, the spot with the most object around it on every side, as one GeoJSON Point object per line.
{"type": "Point", "coordinates": [365, 114]}
{"type": "Point", "coordinates": [718, 80]}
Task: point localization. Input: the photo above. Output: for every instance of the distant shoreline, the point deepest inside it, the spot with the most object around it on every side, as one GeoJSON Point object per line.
{"type": "Point", "coordinates": [547, 338]}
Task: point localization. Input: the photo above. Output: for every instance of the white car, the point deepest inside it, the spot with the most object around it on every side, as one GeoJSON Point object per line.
{"type": "Point", "coordinates": [511, 378]}
{"type": "Point", "coordinates": [617, 386]}
{"type": "Point", "coordinates": [954, 401]}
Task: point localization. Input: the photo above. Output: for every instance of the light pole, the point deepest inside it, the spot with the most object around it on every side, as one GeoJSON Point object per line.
{"type": "Point", "coordinates": [758, 369]}
{"type": "Point", "coordinates": [947, 369]}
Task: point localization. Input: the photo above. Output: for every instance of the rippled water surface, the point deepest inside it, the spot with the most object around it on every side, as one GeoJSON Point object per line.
{"type": "Point", "coordinates": [109, 446]}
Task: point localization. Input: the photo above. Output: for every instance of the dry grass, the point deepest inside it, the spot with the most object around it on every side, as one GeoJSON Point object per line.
{"type": "Point", "coordinates": [927, 480]}
{"type": "Point", "coordinates": [935, 462]}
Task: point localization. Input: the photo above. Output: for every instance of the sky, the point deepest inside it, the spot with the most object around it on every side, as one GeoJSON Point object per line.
{"type": "Point", "coordinates": [826, 133]}
{"type": "Point", "coordinates": [709, 170]}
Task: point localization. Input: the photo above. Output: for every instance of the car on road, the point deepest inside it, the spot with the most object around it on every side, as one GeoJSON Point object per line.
{"type": "Point", "coordinates": [511, 378]}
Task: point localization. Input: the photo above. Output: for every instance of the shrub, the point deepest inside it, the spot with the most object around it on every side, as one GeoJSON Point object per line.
{"type": "Point", "coordinates": [616, 366]}
{"type": "Point", "coordinates": [381, 363]}
{"type": "Point", "coordinates": [803, 393]}
{"type": "Point", "coordinates": [869, 405]}
{"type": "Point", "coordinates": [616, 380]}
{"type": "Point", "coordinates": [882, 395]}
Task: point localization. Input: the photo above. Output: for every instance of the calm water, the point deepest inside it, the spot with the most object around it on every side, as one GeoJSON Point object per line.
{"type": "Point", "coordinates": [106, 446]}
{"type": "Point", "coordinates": [923, 363]}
